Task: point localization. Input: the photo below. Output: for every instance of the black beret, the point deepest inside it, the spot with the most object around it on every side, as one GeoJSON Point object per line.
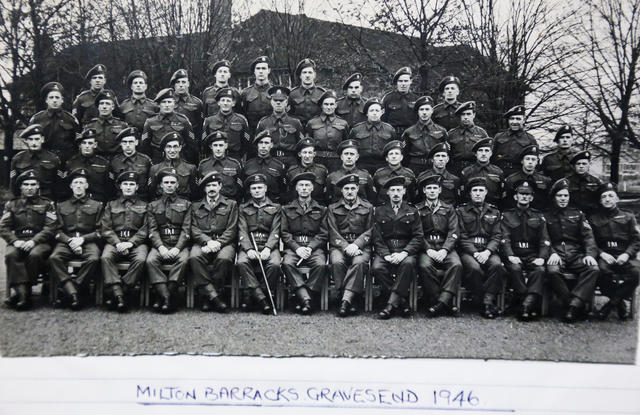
{"type": "Point", "coordinates": [559, 185]}
{"type": "Point", "coordinates": [27, 175]}
{"type": "Point", "coordinates": [424, 100]}
{"type": "Point", "coordinates": [306, 175]}
{"type": "Point", "coordinates": [524, 186]}
{"type": "Point", "coordinates": [348, 179]}
{"type": "Point", "coordinates": [305, 63]}
{"type": "Point", "coordinates": [328, 94]}
{"type": "Point", "coordinates": [439, 148]}
{"type": "Point", "coordinates": [405, 70]}
{"type": "Point", "coordinates": [448, 80]}
{"type": "Point", "coordinates": [517, 110]}
{"type": "Point", "coordinates": [347, 144]}
{"type": "Point", "coordinates": [86, 134]}
{"type": "Point", "coordinates": [127, 132]}
{"type": "Point", "coordinates": [580, 155]}
{"type": "Point", "coordinates": [430, 179]}
{"type": "Point", "coordinates": [220, 64]}
{"type": "Point", "coordinates": [259, 59]}
{"type": "Point", "coordinates": [79, 172]}
{"type": "Point", "coordinates": [51, 86]}
{"type": "Point", "coordinates": [212, 176]}
{"type": "Point", "coordinates": [262, 134]}
{"type": "Point", "coordinates": [529, 151]}
{"type": "Point", "coordinates": [226, 92]}
{"type": "Point", "coordinates": [391, 145]}
{"type": "Point", "coordinates": [106, 94]}
{"type": "Point", "coordinates": [469, 105]}
{"type": "Point", "coordinates": [179, 74]}
{"type": "Point", "coordinates": [164, 93]}
{"type": "Point", "coordinates": [565, 129]}
{"type": "Point", "coordinates": [395, 181]}
{"type": "Point", "coordinates": [215, 136]}
{"type": "Point", "coordinates": [167, 171]}
{"type": "Point", "coordinates": [305, 142]}
{"type": "Point", "coordinates": [354, 77]}
{"type": "Point", "coordinates": [33, 129]}
{"type": "Point", "coordinates": [476, 181]}
{"type": "Point", "coordinates": [257, 178]}
{"type": "Point", "coordinates": [369, 103]}
{"type": "Point", "coordinates": [607, 187]}
{"type": "Point", "coordinates": [131, 176]}
{"type": "Point", "coordinates": [99, 69]}
{"type": "Point", "coordinates": [136, 74]}
{"type": "Point", "coordinates": [172, 136]}
{"type": "Point", "coordinates": [485, 142]}
{"type": "Point", "coordinates": [278, 92]}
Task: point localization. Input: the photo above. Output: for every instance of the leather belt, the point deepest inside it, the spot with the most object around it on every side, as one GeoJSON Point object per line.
{"type": "Point", "coordinates": [302, 239]}
{"type": "Point", "coordinates": [350, 237]}
{"type": "Point", "coordinates": [419, 160]}
{"type": "Point", "coordinates": [170, 231]}
{"type": "Point", "coordinates": [260, 235]}
{"type": "Point", "coordinates": [398, 243]}
{"type": "Point", "coordinates": [326, 154]}
{"type": "Point", "coordinates": [522, 245]}
{"type": "Point", "coordinates": [479, 240]}
{"type": "Point", "coordinates": [126, 233]}
{"type": "Point", "coordinates": [612, 244]}
{"type": "Point", "coordinates": [434, 237]}
{"type": "Point", "coordinates": [26, 232]}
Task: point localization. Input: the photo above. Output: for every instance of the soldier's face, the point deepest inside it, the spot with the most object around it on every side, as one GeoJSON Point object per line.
{"type": "Point", "coordinates": [167, 105]}
{"type": "Point", "coordinates": [516, 122]}
{"type": "Point", "coordinates": [483, 154]}
{"type": "Point", "coordinates": [424, 112]}
{"type": "Point", "coordinates": [350, 192]}
{"type": "Point", "coordinates": [128, 145]}
{"type": "Point", "coordinates": [138, 86]}
{"type": "Point", "coordinates": [467, 117]}
{"type": "Point", "coordinates": [529, 163]}
{"type": "Point", "coordinates": [565, 141]}
{"type": "Point", "coordinates": [128, 187]}
{"type": "Point", "coordinates": [226, 104]}
{"type": "Point", "coordinates": [403, 83]}
{"type": "Point", "coordinates": [258, 191]}
{"type": "Point", "coordinates": [79, 186]}
{"type": "Point", "coordinates": [307, 155]}
{"type": "Point", "coordinates": [304, 188]}
{"type": "Point", "coordinates": [329, 106]}
{"type": "Point", "coordinates": [581, 167]}
{"type": "Point", "coordinates": [396, 193]}
{"type": "Point", "coordinates": [374, 113]}
{"type": "Point", "coordinates": [34, 142]}
{"type": "Point", "coordinates": [212, 189]}
{"type": "Point", "coordinates": [307, 76]}
{"type": "Point", "coordinates": [29, 188]}
{"type": "Point", "coordinates": [451, 92]}
{"type": "Point", "coordinates": [54, 100]}
{"type": "Point", "coordinates": [609, 199]}
{"type": "Point", "coordinates": [523, 199]}
{"type": "Point", "coordinates": [181, 86]}
{"type": "Point", "coordinates": [88, 146]}
{"type": "Point", "coordinates": [222, 75]}
{"type": "Point", "coordinates": [262, 71]}
{"type": "Point", "coordinates": [349, 157]}
{"type": "Point", "coordinates": [562, 198]}
{"type": "Point", "coordinates": [440, 160]}
{"type": "Point", "coordinates": [105, 107]}
{"type": "Point", "coordinates": [478, 194]}
{"type": "Point", "coordinates": [172, 150]}
{"type": "Point", "coordinates": [219, 148]}
{"type": "Point", "coordinates": [354, 89]}
{"type": "Point", "coordinates": [394, 157]}
{"type": "Point", "coordinates": [432, 191]}
{"type": "Point", "coordinates": [279, 105]}
{"type": "Point", "coordinates": [264, 146]}
{"type": "Point", "coordinates": [97, 81]}
{"type": "Point", "coordinates": [169, 185]}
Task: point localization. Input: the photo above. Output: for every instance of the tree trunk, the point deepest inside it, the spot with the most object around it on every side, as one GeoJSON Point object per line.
{"type": "Point", "coordinates": [616, 147]}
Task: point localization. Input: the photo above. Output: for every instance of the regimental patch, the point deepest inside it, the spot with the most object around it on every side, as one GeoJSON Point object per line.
{"type": "Point", "coordinates": [586, 224]}
{"type": "Point", "coordinates": [13, 173]}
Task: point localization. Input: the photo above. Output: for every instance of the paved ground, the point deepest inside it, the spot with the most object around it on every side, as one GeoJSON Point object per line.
{"type": "Point", "coordinates": [49, 332]}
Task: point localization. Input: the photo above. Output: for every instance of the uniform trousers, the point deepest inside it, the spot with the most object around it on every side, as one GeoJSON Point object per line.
{"type": "Point", "coordinates": [534, 283]}
{"type": "Point", "coordinates": [247, 270]}
{"type": "Point", "coordinates": [23, 267]}
{"type": "Point", "coordinates": [587, 278]}
{"type": "Point", "coordinates": [484, 278]}
{"type": "Point", "coordinates": [441, 288]}
{"type": "Point", "coordinates": [176, 273]}
{"type": "Point", "coordinates": [62, 254]}
{"type": "Point", "coordinates": [317, 273]}
{"type": "Point", "coordinates": [349, 272]}
{"type": "Point", "coordinates": [628, 273]}
{"type": "Point", "coordinates": [222, 262]}
{"type": "Point", "coordinates": [136, 256]}
{"type": "Point", "coordinates": [405, 273]}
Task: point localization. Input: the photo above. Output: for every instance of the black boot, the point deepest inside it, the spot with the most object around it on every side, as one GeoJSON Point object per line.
{"type": "Point", "coordinates": [164, 298]}
{"type": "Point", "coordinates": [24, 297]}
{"type": "Point", "coordinates": [345, 308]}
{"type": "Point", "coordinates": [118, 298]}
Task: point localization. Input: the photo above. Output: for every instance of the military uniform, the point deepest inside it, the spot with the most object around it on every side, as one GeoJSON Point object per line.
{"type": "Point", "coordinates": [237, 129]}
{"type": "Point", "coordinates": [507, 145]}
{"type": "Point", "coordinates": [462, 139]}
{"type": "Point", "coordinates": [371, 139]}
{"type": "Point", "coordinates": [328, 131]}
{"type": "Point", "coordinates": [47, 166]}
{"type": "Point", "coordinates": [366, 191]}
{"type": "Point", "coordinates": [398, 110]}
{"type": "Point", "coordinates": [136, 111]}
{"type": "Point", "coordinates": [187, 175]}
{"type": "Point", "coordinates": [255, 104]}
{"type": "Point", "coordinates": [210, 103]}
{"type": "Point", "coordinates": [351, 110]}
{"type": "Point", "coordinates": [138, 162]}
{"type": "Point", "coordinates": [97, 168]}
{"type": "Point", "coordinates": [444, 114]}
{"type": "Point", "coordinates": [584, 191]}
{"type": "Point", "coordinates": [273, 169]}
{"type": "Point", "coordinates": [59, 130]}
{"type": "Point", "coordinates": [230, 172]}
{"type": "Point", "coordinates": [107, 129]}
{"type": "Point", "coordinates": [191, 107]}
{"type": "Point", "coordinates": [541, 185]}
{"type": "Point", "coordinates": [156, 127]}
{"type": "Point", "coordinates": [84, 107]}
{"type": "Point", "coordinates": [305, 103]}
{"type": "Point", "coordinates": [494, 177]}
{"type": "Point", "coordinates": [286, 132]}
{"type": "Point", "coordinates": [383, 174]}
{"type": "Point", "coordinates": [557, 165]}
{"type": "Point", "coordinates": [450, 185]}
{"type": "Point", "coordinates": [419, 140]}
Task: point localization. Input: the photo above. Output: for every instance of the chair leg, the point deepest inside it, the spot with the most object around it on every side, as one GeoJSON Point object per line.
{"type": "Point", "coordinates": [324, 295]}
{"type": "Point", "coordinates": [235, 288]}
{"type": "Point", "coordinates": [413, 295]}
{"type": "Point", "coordinates": [368, 293]}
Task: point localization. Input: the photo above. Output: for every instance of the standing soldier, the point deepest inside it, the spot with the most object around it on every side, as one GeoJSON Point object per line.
{"type": "Point", "coordinates": [107, 126]}
{"type": "Point", "coordinates": [46, 164]}
{"type": "Point", "coordinates": [529, 158]}
{"type": "Point", "coordinates": [221, 72]}
{"type": "Point", "coordinates": [479, 243]}
{"type": "Point", "coordinates": [169, 221]}
{"type": "Point", "coordinates": [398, 105]}
{"type": "Point", "coordinates": [397, 239]}
{"type": "Point", "coordinates": [350, 107]}
{"type": "Point", "coordinates": [507, 145]}
{"type": "Point", "coordinates": [525, 243]}
{"type": "Point", "coordinates": [483, 168]}
{"type": "Point", "coordinates": [556, 164]}
{"type": "Point", "coordinates": [445, 113]}
{"type": "Point", "coordinates": [137, 108]}
{"type": "Point", "coordinates": [214, 227]}
{"type": "Point", "coordinates": [286, 130]}
{"type": "Point", "coordinates": [27, 227]}
{"type": "Point", "coordinates": [77, 236]}
{"type": "Point", "coordinates": [125, 229]}
{"type": "Point", "coordinates": [392, 152]}
{"type": "Point", "coordinates": [255, 101]}
{"type": "Point", "coordinates": [264, 163]}
{"type": "Point", "coordinates": [350, 223]}
{"type": "Point", "coordinates": [231, 123]}
{"type": "Point", "coordinates": [422, 136]}
{"type": "Point", "coordinates": [348, 151]}
{"type": "Point", "coordinates": [450, 184]}
{"type": "Point", "coordinates": [304, 234]}
{"type": "Point", "coordinates": [371, 136]}
{"type": "Point", "coordinates": [328, 130]}
{"type": "Point", "coordinates": [259, 223]}
{"type": "Point", "coordinates": [305, 98]}
{"type": "Point", "coordinates": [171, 145]}
{"type": "Point", "coordinates": [440, 228]}
{"type": "Point", "coordinates": [129, 159]}
{"type": "Point", "coordinates": [187, 104]}
{"type": "Point", "coordinates": [583, 186]}
{"type": "Point", "coordinates": [167, 121]}
{"type": "Point", "coordinates": [463, 137]}
{"type": "Point", "coordinates": [617, 236]}
{"type": "Point", "coordinates": [229, 169]}
{"type": "Point", "coordinates": [84, 107]}
{"type": "Point", "coordinates": [306, 155]}
{"type": "Point", "coordinates": [96, 167]}
{"type": "Point", "coordinates": [59, 126]}
{"type": "Point", "coordinates": [573, 249]}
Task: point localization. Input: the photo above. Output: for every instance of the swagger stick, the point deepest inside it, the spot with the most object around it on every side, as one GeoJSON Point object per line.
{"type": "Point", "coordinates": [264, 274]}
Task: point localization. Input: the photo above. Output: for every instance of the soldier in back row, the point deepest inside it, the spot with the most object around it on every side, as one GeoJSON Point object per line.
{"type": "Point", "coordinates": [398, 105]}
{"type": "Point", "coordinates": [254, 99]}
{"type": "Point", "coordinates": [556, 164]}
{"type": "Point", "coordinates": [350, 107]}
{"type": "Point", "coordinates": [185, 103]}
{"type": "Point", "coordinates": [508, 144]}
{"type": "Point", "coordinates": [445, 113]}
{"type": "Point", "coordinates": [305, 98]}
{"type": "Point", "coordinates": [463, 137]}
{"type": "Point", "coordinates": [371, 136]}
{"type": "Point", "coordinates": [138, 107]}
{"type": "Point", "coordinates": [106, 126]}
{"type": "Point", "coordinates": [221, 73]}
{"type": "Point", "coordinates": [84, 107]}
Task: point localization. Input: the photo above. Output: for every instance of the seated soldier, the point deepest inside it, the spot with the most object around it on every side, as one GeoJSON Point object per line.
{"type": "Point", "coordinates": [618, 239]}
{"type": "Point", "coordinates": [440, 228]}
{"type": "Point", "coordinates": [264, 163]}
{"type": "Point", "coordinates": [77, 234]}
{"type": "Point", "coordinates": [27, 227]}
{"type": "Point", "coordinates": [392, 152]}
{"type": "Point", "coordinates": [450, 184]}
{"type": "Point", "coordinates": [214, 227]}
{"type": "Point", "coordinates": [397, 238]}
{"type": "Point", "coordinates": [525, 243]}
{"type": "Point", "coordinates": [573, 249]}
{"type": "Point", "coordinates": [258, 240]}
{"type": "Point", "coordinates": [479, 243]}
{"type": "Point", "coordinates": [304, 234]}
{"type": "Point", "coordinates": [124, 229]}
{"type": "Point", "coordinates": [169, 220]}
{"type": "Point", "coordinates": [350, 223]}
{"type": "Point", "coordinates": [350, 106]}
{"type": "Point", "coordinates": [483, 168]}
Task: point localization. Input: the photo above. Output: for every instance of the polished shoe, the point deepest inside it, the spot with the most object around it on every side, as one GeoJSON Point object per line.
{"type": "Point", "coordinates": [344, 310]}
{"type": "Point", "coordinates": [489, 311]}
{"type": "Point", "coordinates": [120, 304]}
{"type": "Point", "coordinates": [438, 309]}
{"type": "Point", "coordinates": [74, 302]}
{"type": "Point", "coordinates": [527, 312]}
{"type": "Point", "coordinates": [11, 301]}
{"type": "Point", "coordinates": [604, 311]}
{"type": "Point", "coordinates": [264, 306]}
{"type": "Point", "coordinates": [305, 308]}
{"type": "Point", "coordinates": [166, 306]}
{"type": "Point", "coordinates": [623, 311]}
{"type": "Point", "coordinates": [218, 305]}
{"type": "Point", "coordinates": [387, 312]}
{"type": "Point", "coordinates": [572, 315]}
{"type": "Point", "coordinates": [405, 309]}
{"type": "Point", "coordinates": [157, 305]}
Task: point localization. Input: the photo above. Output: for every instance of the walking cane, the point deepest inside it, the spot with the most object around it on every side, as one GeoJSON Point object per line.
{"type": "Point", "coordinates": [264, 274]}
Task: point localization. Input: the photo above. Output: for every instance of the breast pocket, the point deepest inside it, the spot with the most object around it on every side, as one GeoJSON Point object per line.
{"type": "Point", "coordinates": [177, 214]}
{"type": "Point", "coordinates": [117, 215]}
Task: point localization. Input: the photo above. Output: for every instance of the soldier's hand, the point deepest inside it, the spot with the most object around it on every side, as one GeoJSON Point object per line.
{"type": "Point", "coordinates": [252, 254]}
{"type": "Point", "coordinates": [514, 260]}
{"type": "Point", "coordinates": [483, 256]}
{"type": "Point", "coordinates": [351, 249]}
{"type": "Point", "coordinates": [388, 258]}
{"type": "Point", "coordinates": [28, 245]}
{"type": "Point", "coordinates": [75, 243]}
{"type": "Point", "coordinates": [121, 247]}
{"type": "Point", "coordinates": [590, 261]}
{"type": "Point", "coordinates": [304, 252]}
{"type": "Point", "coordinates": [608, 258]}
{"type": "Point", "coordinates": [164, 252]}
{"type": "Point", "coordinates": [18, 243]}
{"type": "Point", "coordinates": [441, 255]}
{"type": "Point", "coordinates": [538, 262]}
{"type": "Point", "coordinates": [265, 254]}
{"type": "Point", "coordinates": [206, 249]}
{"type": "Point", "coordinates": [174, 252]}
{"type": "Point", "coordinates": [554, 259]}
{"type": "Point", "coordinates": [622, 258]}
{"type": "Point", "coordinates": [215, 246]}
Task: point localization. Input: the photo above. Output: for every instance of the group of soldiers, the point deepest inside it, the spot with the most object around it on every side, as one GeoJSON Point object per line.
{"type": "Point", "coordinates": [274, 181]}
